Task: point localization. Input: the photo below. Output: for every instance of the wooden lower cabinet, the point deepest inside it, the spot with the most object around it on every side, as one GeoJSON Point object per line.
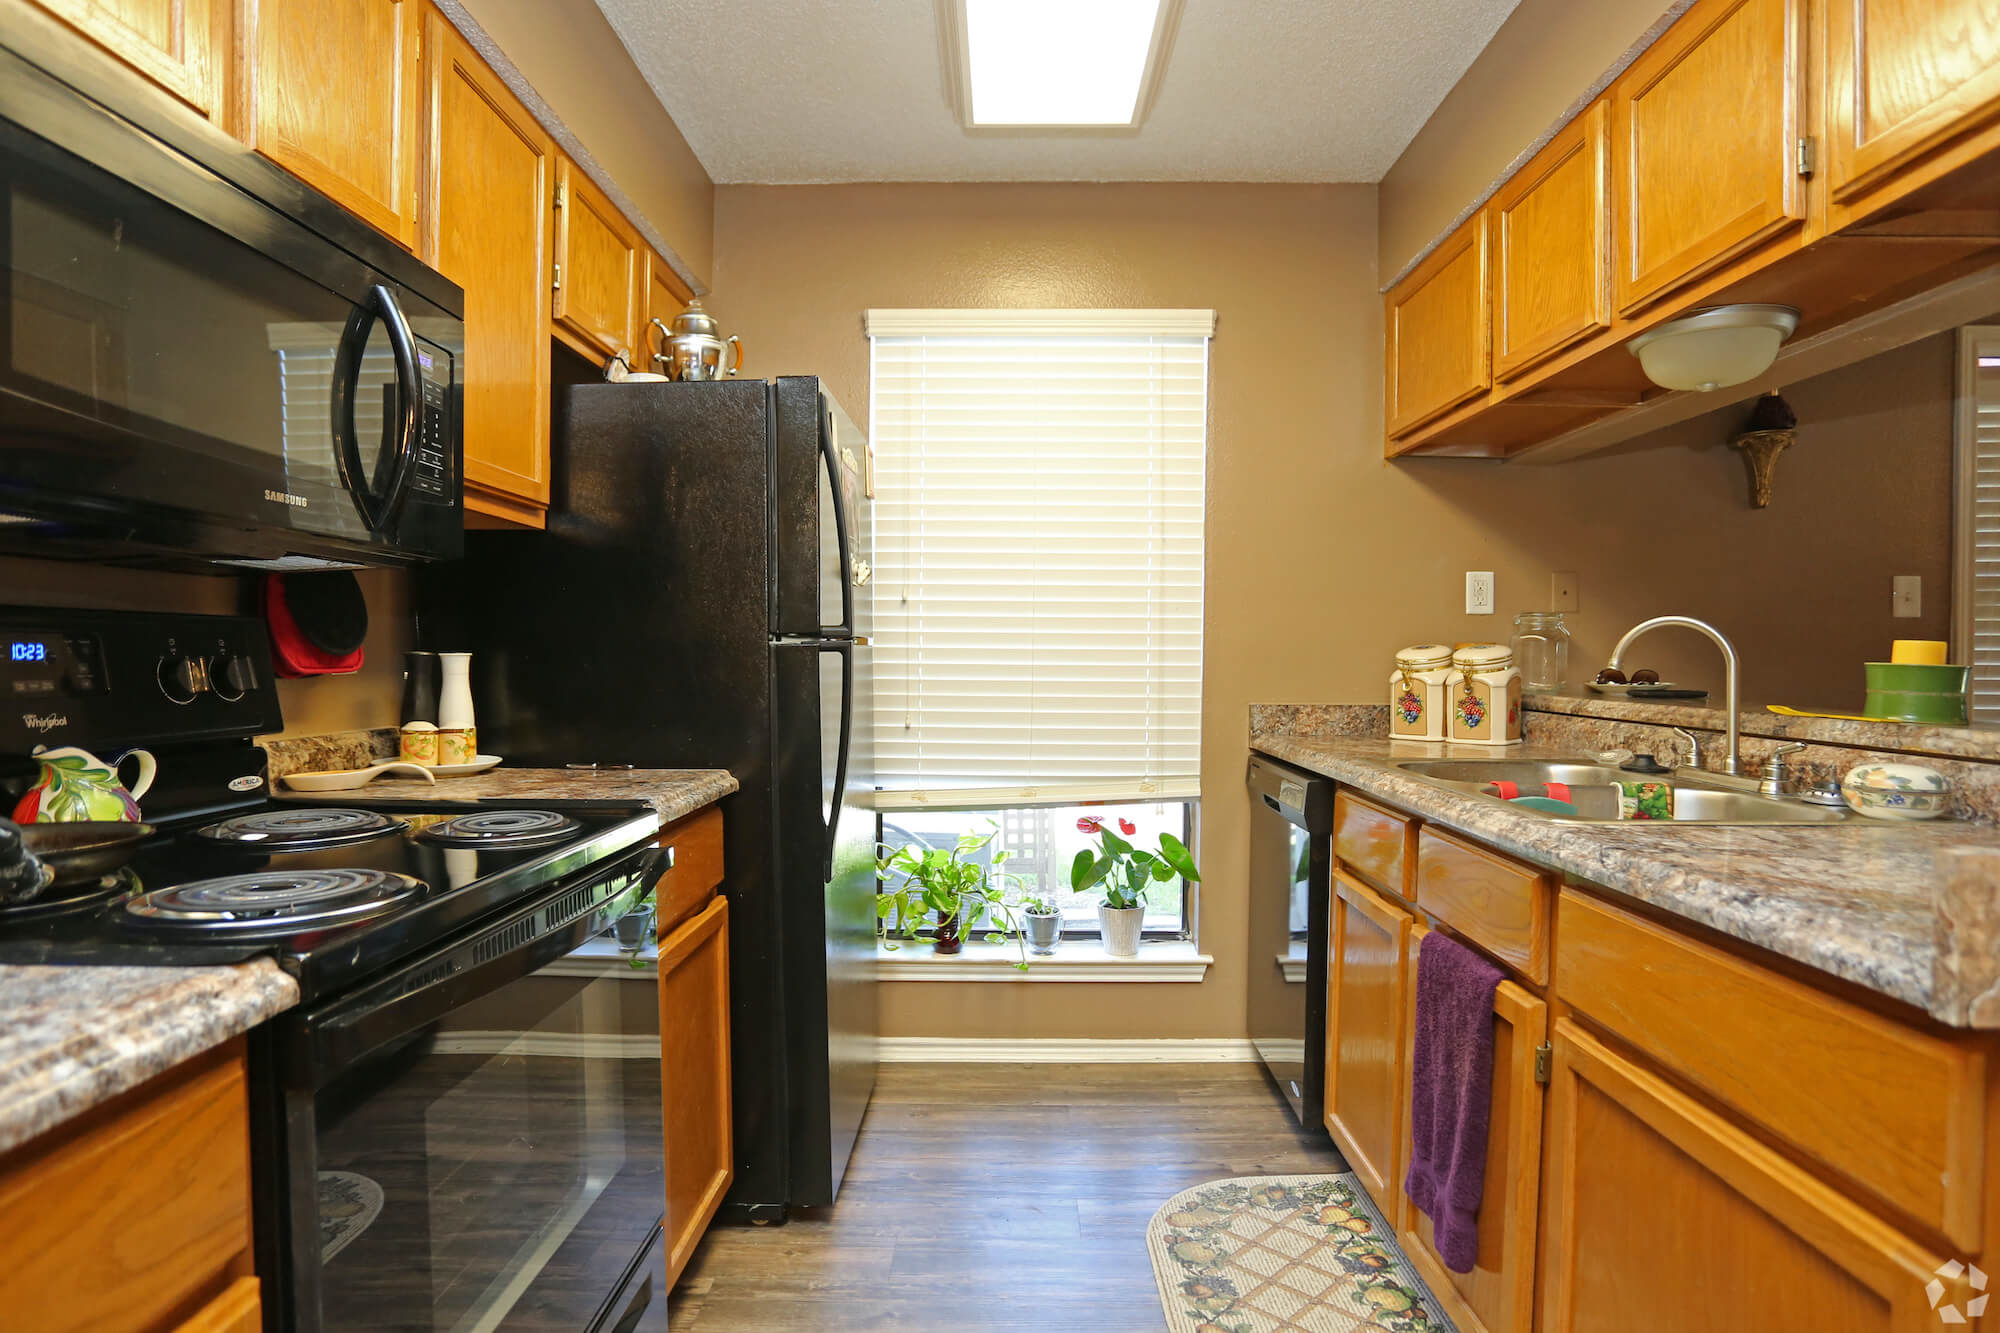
{"type": "Point", "coordinates": [1367, 1077]}
{"type": "Point", "coordinates": [1498, 1295]}
{"type": "Point", "coordinates": [694, 1078]}
{"type": "Point", "coordinates": [1660, 1214]}
{"type": "Point", "coordinates": [240, 1309]}
{"type": "Point", "coordinates": [135, 1218]}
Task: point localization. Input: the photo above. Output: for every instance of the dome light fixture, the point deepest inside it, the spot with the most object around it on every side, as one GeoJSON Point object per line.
{"type": "Point", "coordinates": [1714, 348]}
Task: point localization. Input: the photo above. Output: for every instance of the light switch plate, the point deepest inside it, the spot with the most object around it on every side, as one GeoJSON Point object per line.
{"type": "Point", "coordinates": [1479, 592]}
{"type": "Point", "coordinates": [1906, 597]}
{"type": "Point", "coordinates": [1562, 590]}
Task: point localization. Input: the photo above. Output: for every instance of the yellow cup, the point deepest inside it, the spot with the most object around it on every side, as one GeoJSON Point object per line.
{"type": "Point", "coordinates": [1919, 652]}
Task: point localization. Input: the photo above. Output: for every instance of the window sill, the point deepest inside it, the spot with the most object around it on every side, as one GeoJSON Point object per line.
{"type": "Point", "coordinates": [1073, 960]}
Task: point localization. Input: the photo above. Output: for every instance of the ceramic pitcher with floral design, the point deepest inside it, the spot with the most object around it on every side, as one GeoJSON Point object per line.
{"type": "Point", "coordinates": [76, 785]}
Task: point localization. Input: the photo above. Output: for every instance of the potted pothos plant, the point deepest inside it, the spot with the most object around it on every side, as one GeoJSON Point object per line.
{"type": "Point", "coordinates": [1124, 872]}
{"type": "Point", "coordinates": [946, 889]}
{"type": "Point", "coordinates": [1042, 924]}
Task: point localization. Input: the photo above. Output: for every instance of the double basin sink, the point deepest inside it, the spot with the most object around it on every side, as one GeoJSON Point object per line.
{"type": "Point", "coordinates": [1694, 801]}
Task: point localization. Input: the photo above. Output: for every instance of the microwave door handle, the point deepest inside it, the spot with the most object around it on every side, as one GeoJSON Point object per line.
{"type": "Point", "coordinates": [410, 383]}
{"type": "Point", "coordinates": [346, 383]}
{"type": "Point", "coordinates": [845, 629]}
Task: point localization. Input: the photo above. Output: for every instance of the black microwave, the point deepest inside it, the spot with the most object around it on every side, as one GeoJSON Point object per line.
{"type": "Point", "coordinates": [203, 360]}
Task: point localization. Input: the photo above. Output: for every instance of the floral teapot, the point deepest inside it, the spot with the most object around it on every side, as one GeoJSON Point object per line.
{"type": "Point", "coordinates": [76, 785]}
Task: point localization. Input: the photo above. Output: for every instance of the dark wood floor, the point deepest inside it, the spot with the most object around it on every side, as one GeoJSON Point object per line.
{"type": "Point", "coordinates": [1000, 1197]}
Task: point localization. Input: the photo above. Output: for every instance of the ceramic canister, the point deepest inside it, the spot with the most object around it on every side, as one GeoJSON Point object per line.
{"type": "Point", "coordinates": [458, 737]}
{"type": "Point", "coordinates": [1485, 693]}
{"type": "Point", "coordinates": [1417, 699]}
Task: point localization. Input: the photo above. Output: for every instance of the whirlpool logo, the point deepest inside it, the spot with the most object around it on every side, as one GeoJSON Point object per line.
{"type": "Point", "coordinates": [44, 722]}
{"type": "Point", "coordinates": [287, 498]}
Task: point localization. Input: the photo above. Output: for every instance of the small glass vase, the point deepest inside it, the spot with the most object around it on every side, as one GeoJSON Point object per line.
{"type": "Point", "coordinates": [950, 937]}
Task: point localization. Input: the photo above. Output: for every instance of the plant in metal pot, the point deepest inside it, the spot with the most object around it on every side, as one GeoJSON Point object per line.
{"type": "Point", "coordinates": [1042, 923]}
{"type": "Point", "coordinates": [1124, 872]}
{"type": "Point", "coordinates": [946, 888]}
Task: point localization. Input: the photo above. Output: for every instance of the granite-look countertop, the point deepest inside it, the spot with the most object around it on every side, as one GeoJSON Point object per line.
{"type": "Point", "coordinates": [674, 792]}
{"type": "Point", "coordinates": [1908, 910]}
{"type": "Point", "coordinates": [75, 1037]}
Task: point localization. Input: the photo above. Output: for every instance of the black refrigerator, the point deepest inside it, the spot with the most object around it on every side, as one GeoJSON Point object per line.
{"type": "Point", "coordinates": [700, 599]}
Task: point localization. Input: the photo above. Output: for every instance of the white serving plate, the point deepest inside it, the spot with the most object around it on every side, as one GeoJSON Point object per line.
{"type": "Point", "coordinates": [1628, 687]}
{"type": "Point", "coordinates": [479, 763]}
{"type": "Point", "coordinates": [347, 779]}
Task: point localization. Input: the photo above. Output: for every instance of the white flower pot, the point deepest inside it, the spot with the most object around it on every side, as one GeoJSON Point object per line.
{"type": "Point", "coordinates": [1120, 927]}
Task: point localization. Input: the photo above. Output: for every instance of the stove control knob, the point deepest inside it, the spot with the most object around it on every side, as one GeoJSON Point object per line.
{"type": "Point", "coordinates": [231, 677]}
{"type": "Point", "coordinates": [181, 677]}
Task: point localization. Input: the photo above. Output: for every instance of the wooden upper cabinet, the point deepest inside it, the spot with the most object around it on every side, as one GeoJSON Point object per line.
{"type": "Point", "coordinates": [1704, 144]}
{"type": "Point", "coordinates": [331, 93]}
{"type": "Point", "coordinates": [1551, 242]}
{"type": "Point", "coordinates": [1658, 1213]}
{"type": "Point", "coordinates": [694, 1069]}
{"type": "Point", "coordinates": [1498, 1295]}
{"type": "Point", "coordinates": [666, 296]}
{"type": "Point", "coordinates": [1435, 323]}
{"type": "Point", "coordinates": [181, 45]}
{"type": "Point", "coordinates": [1366, 1075]}
{"type": "Point", "coordinates": [1902, 78]}
{"type": "Point", "coordinates": [600, 266]}
{"type": "Point", "coordinates": [489, 171]}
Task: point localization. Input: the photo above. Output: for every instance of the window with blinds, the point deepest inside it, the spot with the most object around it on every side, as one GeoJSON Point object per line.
{"type": "Point", "coordinates": [1038, 530]}
{"type": "Point", "coordinates": [1976, 576]}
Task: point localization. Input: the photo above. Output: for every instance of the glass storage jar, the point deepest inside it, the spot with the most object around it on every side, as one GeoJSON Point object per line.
{"type": "Point", "coordinates": [1541, 650]}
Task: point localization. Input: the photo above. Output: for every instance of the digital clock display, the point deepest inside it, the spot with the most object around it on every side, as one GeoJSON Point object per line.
{"type": "Point", "coordinates": [28, 650]}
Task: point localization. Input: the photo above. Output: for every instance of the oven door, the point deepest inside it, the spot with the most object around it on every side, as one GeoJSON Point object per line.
{"type": "Point", "coordinates": [187, 372]}
{"type": "Point", "coordinates": [482, 1149]}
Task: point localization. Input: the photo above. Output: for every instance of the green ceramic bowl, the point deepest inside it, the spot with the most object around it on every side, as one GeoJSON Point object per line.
{"type": "Point", "coordinates": [1916, 692]}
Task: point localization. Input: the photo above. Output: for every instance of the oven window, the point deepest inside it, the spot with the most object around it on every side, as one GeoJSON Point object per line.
{"type": "Point", "coordinates": [498, 1170]}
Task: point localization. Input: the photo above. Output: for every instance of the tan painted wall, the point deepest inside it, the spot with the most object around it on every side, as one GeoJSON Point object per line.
{"type": "Point", "coordinates": [369, 698]}
{"type": "Point", "coordinates": [1543, 57]}
{"type": "Point", "coordinates": [569, 52]}
{"type": "Point", "coordinates": [1323, 559]}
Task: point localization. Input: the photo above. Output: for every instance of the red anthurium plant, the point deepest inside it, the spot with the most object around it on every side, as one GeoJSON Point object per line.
{"type": "Point", "coordinates": [1122, 870]}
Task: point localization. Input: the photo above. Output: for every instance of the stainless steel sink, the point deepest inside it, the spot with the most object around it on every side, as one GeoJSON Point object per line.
{"type": "Point", "coordinates": [1694, 802]}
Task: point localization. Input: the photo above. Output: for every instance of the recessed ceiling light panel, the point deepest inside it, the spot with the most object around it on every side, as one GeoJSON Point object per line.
{"type": "Point", "coordinates": [1054, 64]}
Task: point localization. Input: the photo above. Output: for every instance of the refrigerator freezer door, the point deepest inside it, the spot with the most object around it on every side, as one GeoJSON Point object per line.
{"type": "Point", "coordinates": [824, 551]}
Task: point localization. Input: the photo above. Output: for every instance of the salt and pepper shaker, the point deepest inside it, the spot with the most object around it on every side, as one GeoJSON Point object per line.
{"type": "Point", "coordinates": [458, 737]}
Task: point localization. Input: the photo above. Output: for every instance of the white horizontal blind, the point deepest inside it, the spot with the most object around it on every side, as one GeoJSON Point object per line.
{"type": "Point", "coordinates": [1038, 531]}
{"type": "Point", "coordinates": [1977, 600]}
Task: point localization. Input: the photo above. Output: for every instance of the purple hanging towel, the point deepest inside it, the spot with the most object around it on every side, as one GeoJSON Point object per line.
{"type": "Point", "coordinates": [1451, 1093]}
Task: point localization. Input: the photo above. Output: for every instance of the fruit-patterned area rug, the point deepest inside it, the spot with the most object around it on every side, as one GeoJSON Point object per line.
{"type": "Point", "coordinates": [1271, 1254]}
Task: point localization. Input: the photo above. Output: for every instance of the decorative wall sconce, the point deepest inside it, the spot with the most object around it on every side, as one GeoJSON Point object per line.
{"type": "Point", "coordinates": [1772, 427]}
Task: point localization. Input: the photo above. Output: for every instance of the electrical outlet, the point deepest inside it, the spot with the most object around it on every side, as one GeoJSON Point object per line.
{"type": "Point", "coordinates": [1479, 592]}
{"type": "Point", "coordinates": [1562, 590]}
{"type": "Point", "coordinates": [1906, 597]}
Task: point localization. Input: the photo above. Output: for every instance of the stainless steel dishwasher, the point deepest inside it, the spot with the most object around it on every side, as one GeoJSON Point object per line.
{"type": "Point", "coordinates": [1291, 870]}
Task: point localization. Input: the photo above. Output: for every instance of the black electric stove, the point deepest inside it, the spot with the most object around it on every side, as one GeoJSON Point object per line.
{"type": "Point", "coordinates": [464, 989]}
{"type": "Point", "coordinates": [333, 892]}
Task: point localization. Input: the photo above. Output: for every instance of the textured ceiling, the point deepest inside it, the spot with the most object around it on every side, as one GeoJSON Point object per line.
{"type": "Point", "coordinates": [799, 91]}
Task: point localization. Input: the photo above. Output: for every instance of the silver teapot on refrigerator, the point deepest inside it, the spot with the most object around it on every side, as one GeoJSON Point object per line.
{"type": "Point", "coordinates": [693, 348]}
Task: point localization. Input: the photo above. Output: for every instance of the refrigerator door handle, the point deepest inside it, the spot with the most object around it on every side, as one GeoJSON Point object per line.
{"type": "Point", "coordinates": [829, 453]}
{"type": "Point", "coordinates": [845, 648]}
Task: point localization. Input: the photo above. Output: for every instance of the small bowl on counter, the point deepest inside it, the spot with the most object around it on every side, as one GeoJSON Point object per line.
{"type": "Point", "coordinates": [1896, 791]}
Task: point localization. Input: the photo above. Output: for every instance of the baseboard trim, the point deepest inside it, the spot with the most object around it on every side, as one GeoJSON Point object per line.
{"type": "Point", "coordinates": [1066, 1051]}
